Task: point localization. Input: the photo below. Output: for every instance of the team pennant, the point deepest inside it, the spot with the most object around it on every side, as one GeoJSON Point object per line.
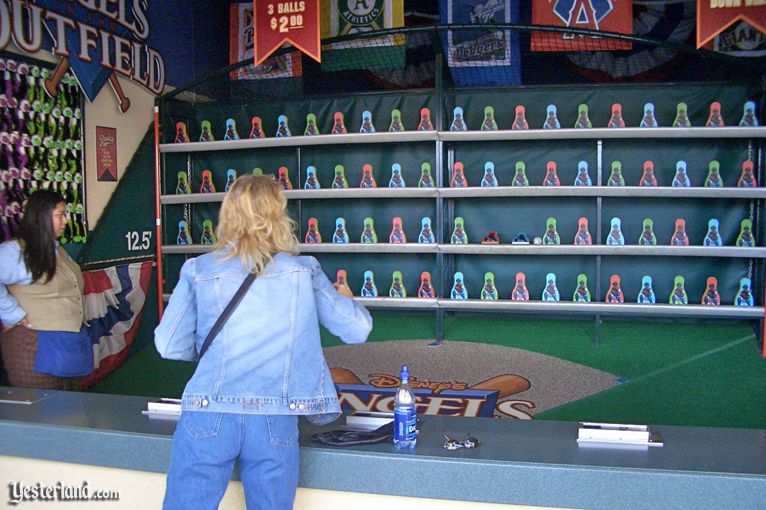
{"type": "Point", "coordinates": [596, 15]}
{"type": "Point", "coordinates": [714, 16]}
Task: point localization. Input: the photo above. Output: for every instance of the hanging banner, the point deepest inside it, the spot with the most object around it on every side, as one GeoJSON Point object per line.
{"type": "Point", "coordinates": [106, 154]}
{"type": "Point", "coordinates": [481, 56]}
{"type": "Point", "coordinates": [277, 23]}
{"type": "Point", "coordinates": [241, 47]}
{"type": "Point", "coordinates": [97, 41]}
{"type": "Point", "coordinates": [114, 306]}
{"type": "Point", "coordinates": [714, 16]}
{"type": "Point", "coordinates": [741, 40]}
{"type": "Point", "coordinates": [657, 20]}
{"type": "Point", "coordinates": [604, 15]}
{"type": "Point", "coordinates": [341, 18]}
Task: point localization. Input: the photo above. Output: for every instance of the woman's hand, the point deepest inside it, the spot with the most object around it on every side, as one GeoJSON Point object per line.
{"type": "Point", "coordinates": [23, 322]}
{"type": "Point", "coordinates": [343, 290]}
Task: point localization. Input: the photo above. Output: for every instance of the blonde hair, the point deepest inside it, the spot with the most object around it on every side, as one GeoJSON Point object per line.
{"type": "Point", "coordinates": [253, 222]}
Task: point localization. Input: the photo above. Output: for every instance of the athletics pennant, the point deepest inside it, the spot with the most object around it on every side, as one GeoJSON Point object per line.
{"type": "Point", "coordinates": [346, 18]}
{"type": "Point", "coordinates": [714, 16]}
{"type": "Point", "coordinates": [277, 23]}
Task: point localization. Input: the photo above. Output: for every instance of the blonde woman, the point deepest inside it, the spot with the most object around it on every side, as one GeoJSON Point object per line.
{"type": "Point", "coordinates": [265, 368]}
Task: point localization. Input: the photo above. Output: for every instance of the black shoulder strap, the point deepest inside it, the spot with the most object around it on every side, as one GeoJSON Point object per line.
{"type": "Point", "coordinates": [226, 313]}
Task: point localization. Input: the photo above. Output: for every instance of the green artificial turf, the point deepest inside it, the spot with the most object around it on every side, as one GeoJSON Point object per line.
{"type": "Point", "coordinates": [672, 373]}
{"type": "Point", "coordinates": [720, 388]}
{"type": "Point", "coordinates": [146, 374]}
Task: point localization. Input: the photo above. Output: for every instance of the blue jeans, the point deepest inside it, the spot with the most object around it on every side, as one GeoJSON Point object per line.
{"type": "Point", "coordinates": [205, 446]}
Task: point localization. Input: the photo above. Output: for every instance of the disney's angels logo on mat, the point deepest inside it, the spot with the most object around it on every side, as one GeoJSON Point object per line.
{"type": "Point", "coordinates": [447, 398]}
{"type": "Point", "coordinates": [460, 377]}
{"type": "Point", "coordinates": [96, 43]}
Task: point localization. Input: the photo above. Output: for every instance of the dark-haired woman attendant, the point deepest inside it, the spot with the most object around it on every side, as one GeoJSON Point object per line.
{"type": "Point", "coordinates": [44, 342]}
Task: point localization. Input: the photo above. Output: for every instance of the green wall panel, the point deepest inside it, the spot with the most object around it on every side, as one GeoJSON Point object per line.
{"type": "Point", "coordinates": [506, 215]}
{"type": "Point", "coordinates": [599, 99]}
{"type": "Point", "coordinates": [352, 106]}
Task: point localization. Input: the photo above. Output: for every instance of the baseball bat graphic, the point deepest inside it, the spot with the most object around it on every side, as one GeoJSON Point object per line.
{"type": "Point", "coordinates": [124, 100]}
{"type": "Point", "coordinates": [505, 385]}
{"type": "Point", "coordinates": [344, 376]}
{"type": "Point", "coordinates": [51, 85]}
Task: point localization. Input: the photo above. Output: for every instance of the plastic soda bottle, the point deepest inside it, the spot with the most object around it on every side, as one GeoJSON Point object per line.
{"type": "Point", "coordinates": [405, 421]}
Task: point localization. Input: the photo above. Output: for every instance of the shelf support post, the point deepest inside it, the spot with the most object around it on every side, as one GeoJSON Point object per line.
{"type": "Point", "coordinates": [157, 212]}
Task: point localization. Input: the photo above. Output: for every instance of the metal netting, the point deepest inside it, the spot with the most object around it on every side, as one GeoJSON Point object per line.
{"type": "Point", "coordinates": [465, 56]}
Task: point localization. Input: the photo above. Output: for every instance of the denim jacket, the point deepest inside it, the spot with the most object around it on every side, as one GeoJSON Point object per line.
{"type": "Point", "coordinates": [267, 359]}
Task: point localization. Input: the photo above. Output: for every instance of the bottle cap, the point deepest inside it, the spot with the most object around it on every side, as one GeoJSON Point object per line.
{"type": "Point", "coordinates": [404, 374]}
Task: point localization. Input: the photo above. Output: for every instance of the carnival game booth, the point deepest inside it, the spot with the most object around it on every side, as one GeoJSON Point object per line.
{"type": "Point", "coordinates": [584, 200]}
{"type": "Point", "coordinates": [533, 246]}
{"type": "Point", "coordinates": [467, 204]}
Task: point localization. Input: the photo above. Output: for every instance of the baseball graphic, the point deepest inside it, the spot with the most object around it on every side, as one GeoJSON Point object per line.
{"type": "Point", "coordinates": [461, 378]}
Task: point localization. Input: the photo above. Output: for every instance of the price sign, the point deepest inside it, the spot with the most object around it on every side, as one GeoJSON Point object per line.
{"type": "Point", "coordinates": [277, 23]}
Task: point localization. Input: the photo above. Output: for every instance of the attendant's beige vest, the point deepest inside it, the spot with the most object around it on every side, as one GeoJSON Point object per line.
{"type": "Point", "coordinates": [58, 304]}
